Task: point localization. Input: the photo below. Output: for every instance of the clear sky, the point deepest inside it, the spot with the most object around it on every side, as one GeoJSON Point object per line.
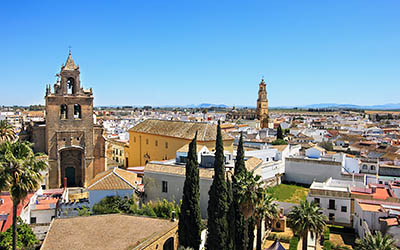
{"type": "Point", "coordinates": [190, 52]}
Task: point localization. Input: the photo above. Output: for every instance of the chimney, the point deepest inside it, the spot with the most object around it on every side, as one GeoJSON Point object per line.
{"type": "Point", "coordinates": [173, 216]}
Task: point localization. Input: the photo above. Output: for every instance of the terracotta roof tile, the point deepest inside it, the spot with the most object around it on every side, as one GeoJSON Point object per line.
{"type": "Point", "coordinates": [180, 129]}
{"type": "Point", "coordinates": [111, 231]}
{"type": "Point", "coordinates": [114, 179]}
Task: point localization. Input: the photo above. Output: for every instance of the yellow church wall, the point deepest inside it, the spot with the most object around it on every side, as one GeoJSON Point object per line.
{"type": "Point", "coordinates": [159, 147]}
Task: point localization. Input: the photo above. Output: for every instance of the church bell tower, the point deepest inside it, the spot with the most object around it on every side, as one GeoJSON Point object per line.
{"type": "Point", "coordinates": [71, 135]}
{"type": "Point", "coordinates": [262, 104]}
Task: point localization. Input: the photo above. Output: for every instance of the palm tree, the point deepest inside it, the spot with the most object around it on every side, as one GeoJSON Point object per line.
{"type": "Point", "coordinates": [307, 217]}
{"type": "Point", "coordinates": [20, 174]}
{"type": "Point", "coordinates": [376, 242]}
{"type": "Point", "coordinates": [248, 189]}
{"type": "Point", "coordinates": [6, 131]}
{"type": "Point", "coordinates": [266, 209]}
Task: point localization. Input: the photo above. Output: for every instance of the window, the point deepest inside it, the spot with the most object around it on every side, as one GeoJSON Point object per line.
{"type": "Point", "coordinates": [166, 144]}
{"type": "Point", "coordinates": [63, 111]}
{"type": "Point", "coordinates": [316, 200]}
{"type": "Point", "coordinates": [372, 167]}
{"type": "Point", "coordinates": [331, 217]}
{"type": "Point", "coordinates": [120, 153]}
{"type": "Point", "coordinates": [71, 86]}
{"type": "Point", "coordinates": [344, 209]}
{"type": "Point", "coordinates": [33, 220]}
{"type": "Point", "coordinates": [365, 166]}
{"type": "Point", "coordinates": [360, 222]}
{"type": "Point", "coordinates": [134, 139]}
{"type": "Point", "coordinates": [147, 141]}
{"type": "Point", "coordinates": [77, 111]}
{"type": "Point", "coordinates": [164, 186]}
{"type": "Point", "coordinates": [156, 143]}
{"type": "Point", "coordinates": [278, 225]}
{"type": "Point", "coordinates": [332, 204]}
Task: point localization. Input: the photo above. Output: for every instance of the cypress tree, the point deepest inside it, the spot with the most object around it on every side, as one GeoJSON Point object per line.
{"type": "Point", "coordinates": [239, 164]}
{"type": "Point", "coordinates": [189, 227]}
{"type": "Point", "coordinates": [252, 227]}
{"type": "Point", "coordinates": [231, 215]}
{"type": "Point", "coordinates": [217, 237]}
{"type": "Point", "coordinates": [240, 235]}
{"type": "Point", "coordinates": [279, 133]}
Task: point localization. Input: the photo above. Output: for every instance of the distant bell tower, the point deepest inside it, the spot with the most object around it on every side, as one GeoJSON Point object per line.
{"type": "Point", "coordinates": [262, 104]}
{"type": "Point", "coordinates": [74, 143]}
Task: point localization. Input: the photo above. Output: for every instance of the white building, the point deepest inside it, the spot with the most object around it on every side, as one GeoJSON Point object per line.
{"type": "Point", "coordinates": [165, 180]}
{"type": "Point", "coordinates": [114, 182]}
{"type": "Point", "coordinates": [334, 197]}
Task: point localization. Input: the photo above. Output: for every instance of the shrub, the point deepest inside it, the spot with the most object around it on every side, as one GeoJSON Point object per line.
{"type": "Point", "coordinates": [147, 210]}
{"type": "Point", "coordinates": [326, 233]}
{"type": "Point", "coordinates": [279, 142]}
{"type": "Point", "coordinates": [84, 211]}
{"type": "Point", "coordinates": [112, 205]}
{"type": "Point", "coordinates": [327, 245]}
{"type": "Point", "coordinates": [164, 209]}
{"type": "Point", "coordinates": [293, 243]}
{"type": "Point", "coordinates": [26, 239]}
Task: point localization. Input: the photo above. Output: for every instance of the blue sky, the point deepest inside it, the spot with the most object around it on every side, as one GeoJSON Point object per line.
{"type": "Point", "coordinates": [190, 52]}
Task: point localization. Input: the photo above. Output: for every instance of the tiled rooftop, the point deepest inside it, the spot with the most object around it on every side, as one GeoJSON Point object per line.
{"type": "Point", "coordinates": [180, 129]}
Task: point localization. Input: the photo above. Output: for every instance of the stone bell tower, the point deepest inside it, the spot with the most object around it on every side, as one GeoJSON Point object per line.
{"type": "Point", "coordinates": [262, 104]}
{"type": "Point", "coordinates": [75, 146]}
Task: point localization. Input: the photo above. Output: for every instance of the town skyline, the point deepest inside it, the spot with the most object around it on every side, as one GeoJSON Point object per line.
{"type": "Point", "coordinates": [183, 53]}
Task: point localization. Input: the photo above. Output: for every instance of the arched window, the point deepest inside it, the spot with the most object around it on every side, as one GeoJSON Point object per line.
{"type": "Point", "coordinates": [71, 86]}
{"type": "Point", "coordinates": [77, 111]}
{"type": "Point", "coordinates": [63, 111]}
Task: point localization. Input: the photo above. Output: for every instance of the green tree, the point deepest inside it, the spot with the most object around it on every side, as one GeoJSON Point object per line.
{"type": "Point", "coordinates": [326, 145]}
{"type": "Point", "coordinates": [112, 204]}
{"type": "Point", "coordinates": [376, 242]}
{"type": "Point", "coordinates": [20, 174]}
{"type": "Point", "coordinates": [239, 226]}
{"type": "Point", "coordinates": [189, 228]}
{"type": "Point", "coordinates": [230, 216]}
{"type": "Point", "coordinates": [251, 227]}
{"type": "Point", "coordinates": [307, 217]}
{"type": "Point", "coordinates": [279, 142]}
{"type": "Point", "coordinates": [26, 238]}
{"type": "Point", "coordinates": [217, 204]}
{"type": "Point", "coordinates": [267, 210]}
{"type": "Point", "coordinates": [6, 131]}
{"type": "Point", "coordinates": [279, 134]}
{"type": "Point", "coordinates": [248, 189]}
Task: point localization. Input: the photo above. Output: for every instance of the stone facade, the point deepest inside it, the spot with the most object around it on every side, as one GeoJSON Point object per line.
{"type": "Point", "coordinates": [74, 144]}
{"type": "Point", "coordinates": [262, 105]}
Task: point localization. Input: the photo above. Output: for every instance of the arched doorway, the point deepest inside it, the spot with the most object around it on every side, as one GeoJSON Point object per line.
{"type": "Point", "coordinates": [169, 244]}
{"type": "Point", "coordinates": [71, 166]}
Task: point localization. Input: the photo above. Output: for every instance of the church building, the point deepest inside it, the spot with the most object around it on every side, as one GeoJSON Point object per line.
{"type": "Point", "coordinates": [74, 144]}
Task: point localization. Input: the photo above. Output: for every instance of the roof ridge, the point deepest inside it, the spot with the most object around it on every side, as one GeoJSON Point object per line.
{"type": "Point", "coordinates": [122, 177]}
{"type": "Point", "coordinates": [205, 131]}
{"type": "Point", "coordinates": [99, 179]}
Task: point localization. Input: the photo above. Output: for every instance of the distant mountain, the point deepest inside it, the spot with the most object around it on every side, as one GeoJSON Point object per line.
{"type": "Point", "coordinates": [389, 106]}
{"type": "Point", "coordinates": [342, 106]}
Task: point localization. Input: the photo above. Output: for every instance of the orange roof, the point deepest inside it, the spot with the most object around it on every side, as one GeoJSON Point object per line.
{"type": "Point", "coordinates": [7, 208]}
{"type": "Point", "coordinates": [381, 194]}
{"type": "Point", "coordinates": [391, 221]}
{"type": "Point", "coordinates": [370, 207]}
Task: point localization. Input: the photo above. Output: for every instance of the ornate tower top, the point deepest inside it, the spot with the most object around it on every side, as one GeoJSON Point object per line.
{"type": "Point", "coordinates": [70, 64]}
{"type": "Point", "coordinates": [262, 91]}
{"type": "Point", "coordinates": [68, 82]}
